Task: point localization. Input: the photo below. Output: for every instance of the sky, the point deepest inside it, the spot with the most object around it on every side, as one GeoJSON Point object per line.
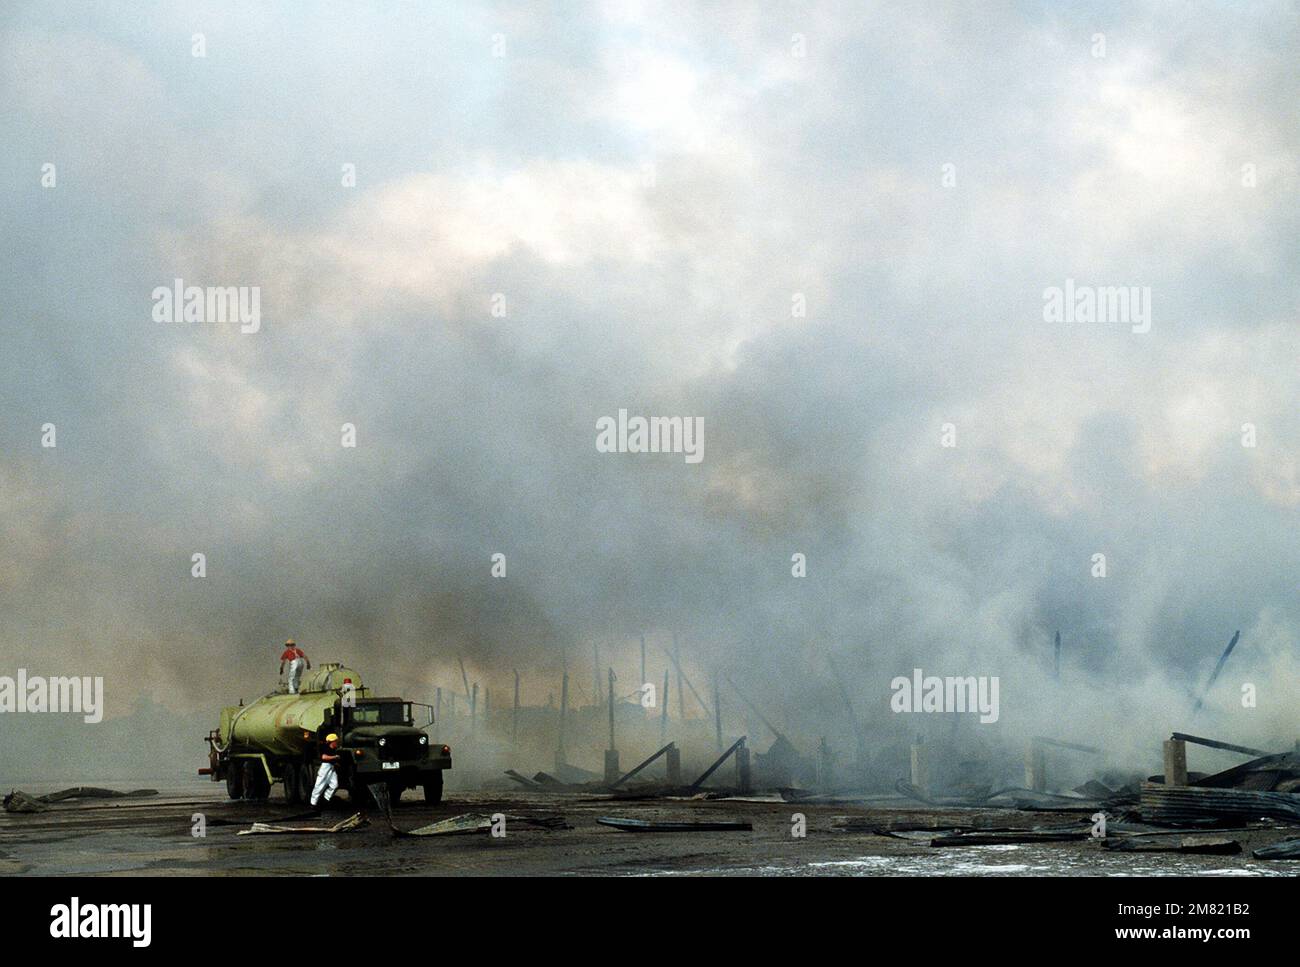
{"type": "Point", "coordinates": [824, 230]}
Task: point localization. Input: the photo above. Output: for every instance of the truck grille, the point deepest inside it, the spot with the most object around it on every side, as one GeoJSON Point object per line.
{"type": "Point", "coordinates": [402, 747]}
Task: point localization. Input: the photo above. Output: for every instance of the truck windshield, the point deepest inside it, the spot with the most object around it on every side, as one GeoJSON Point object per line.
{"type": "Point", "coordinates": [384, 713]}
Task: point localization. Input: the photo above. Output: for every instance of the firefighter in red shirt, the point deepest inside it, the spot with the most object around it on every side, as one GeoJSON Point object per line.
{"type": "Point", "coordinates": [296, 658]}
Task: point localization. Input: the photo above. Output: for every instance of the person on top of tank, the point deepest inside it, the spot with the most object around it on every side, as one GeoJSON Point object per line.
{"type": "Point", "coordinates": [296, 658]}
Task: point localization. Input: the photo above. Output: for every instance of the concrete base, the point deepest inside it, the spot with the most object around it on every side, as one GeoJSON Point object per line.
{"type": "Point", "coordinates": [1175, 762]}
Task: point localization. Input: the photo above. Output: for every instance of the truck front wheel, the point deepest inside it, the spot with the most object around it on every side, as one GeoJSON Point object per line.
{"type": "Point", "coordinates": [433, 788]}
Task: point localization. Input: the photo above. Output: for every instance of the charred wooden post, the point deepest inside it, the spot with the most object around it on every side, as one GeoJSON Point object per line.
{"type": "Point", "coordinates": [743, 783]}
{"type": "Point", "coordinates": [920, 768]}
{"type": "Point", "coordinates": [675, 656]}
{"type": "Point", "coordinates": [717, 712]}
{"type": "Point", "coordinates": [825, 773]}
{"type": "Point", "coordinates": [473, 710]}
{"type": "Point", "coordinates": [677, 663]}
{"type": "Point", "coordinates": [1175, 762]}
{"type": "Point", "coordinates": [663, 709]}
{"type": "Point", "coordinates": [1036, 766]}
{"type": "Point", "coordinates": [514, 719]}
{"type": "Point", "coordinates": [564, 714]}
{"type": "Point", "coordinates": [859, 730]}
{"type": "Point", "coordinates": [673, 757]}
{"type": "Point", "coordinates": [611, 754]}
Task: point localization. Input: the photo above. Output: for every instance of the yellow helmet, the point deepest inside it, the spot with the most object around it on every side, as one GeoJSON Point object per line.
{"type": "Point", "coordinates": [331, 737]}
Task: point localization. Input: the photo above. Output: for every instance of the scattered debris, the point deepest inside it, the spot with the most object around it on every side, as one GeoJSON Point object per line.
{"type": "Point", "coordinates": [1010, 798]}
{"type": "Point", "coordinates": [355, 821]}
{"type": "Point", "coordinates": [1288, 849]}
{"type": "Point", "coordinates": [455, 826]}
{"type": "Point", "coordinates": [523, 780]}
{"type": "Point", "coordinates": [994, 837]}
{"type": "Point", "coordinates": [20, 802]}
{"type": "Point", "coordinates": [481, 823]}
{"type": "Point", "coordinates": [653, 826]}
{"type": "Point", "coordinates": [1207, 845]}
{"type": "Point", "coordinates": [1268, 773]}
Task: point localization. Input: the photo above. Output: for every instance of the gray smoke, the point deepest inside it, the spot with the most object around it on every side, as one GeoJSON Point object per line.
{"type": "Point", "coordinates": [652, 203]}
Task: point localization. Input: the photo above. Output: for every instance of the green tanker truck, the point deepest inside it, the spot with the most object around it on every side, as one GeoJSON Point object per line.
{"type": "Point", "coordinates": [279, 738]}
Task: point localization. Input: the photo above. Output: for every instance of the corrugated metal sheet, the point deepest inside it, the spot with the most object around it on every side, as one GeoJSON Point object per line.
{"type": "Point", "coordinates": [1197, 806]}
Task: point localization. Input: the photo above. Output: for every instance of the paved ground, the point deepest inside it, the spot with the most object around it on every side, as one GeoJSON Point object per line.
{"type": "Point", "coordinates": [154, 837]}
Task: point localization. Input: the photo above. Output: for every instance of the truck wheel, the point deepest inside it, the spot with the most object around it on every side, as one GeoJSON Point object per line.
{"type": "Point", "coordinates": [433, 788]}
{"type": "Point", "coordinates": [255, 784]}
{"type": "Point", "coordinates": [292, 784]}
{"type": "Point", "coordinates": [306, 780]}
{"type": "Point", "coordinates": [235, 779]}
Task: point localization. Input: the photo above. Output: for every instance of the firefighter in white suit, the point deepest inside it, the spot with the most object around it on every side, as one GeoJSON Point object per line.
{"type": "Point", "coordinates": [327, 776]}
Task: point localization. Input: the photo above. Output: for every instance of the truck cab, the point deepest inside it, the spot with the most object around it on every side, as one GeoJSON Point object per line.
{"type": "Point", "coordinates": [387, 746]}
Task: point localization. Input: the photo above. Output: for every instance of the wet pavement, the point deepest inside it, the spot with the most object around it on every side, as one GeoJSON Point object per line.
{"type": "Point", "coordinates": [157, 837]}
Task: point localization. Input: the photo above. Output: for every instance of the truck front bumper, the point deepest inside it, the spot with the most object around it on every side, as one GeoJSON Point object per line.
{"type": "Point", "coordinates": [410, 771]}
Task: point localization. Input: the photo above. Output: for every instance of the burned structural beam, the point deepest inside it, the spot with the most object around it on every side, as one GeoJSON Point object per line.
{"type": "Point", "coordinates": [859, 731]}
{"type": "Point", "coordinates": [624, 778]}
{"type": "Point", "coordinates": [776, 733]}
{"type": "Point", "coordinates": [1072, 746]}
{"type": "Point", "coordinates": [523, 780]}
{"type": "Point", "coordinates": [721, 759]}
{"type": "Point", "coordinates": [463, 677]}
{"type": "Point", "coordinates": [675, 657]}
{"type": "Point", "coordinates": [1216, 744]}
{"type": "Point", "coordinates": [1214, 676]}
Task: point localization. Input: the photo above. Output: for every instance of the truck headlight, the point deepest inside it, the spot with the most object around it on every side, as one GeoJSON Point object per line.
{"type": "Point", "coordinates": [383, 742]}
{"type": "Point", "coordinates": [424, 740]}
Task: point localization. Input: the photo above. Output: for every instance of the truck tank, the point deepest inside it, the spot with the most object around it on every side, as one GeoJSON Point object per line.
{"type": "Point", "coordinates": [284, 724]}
